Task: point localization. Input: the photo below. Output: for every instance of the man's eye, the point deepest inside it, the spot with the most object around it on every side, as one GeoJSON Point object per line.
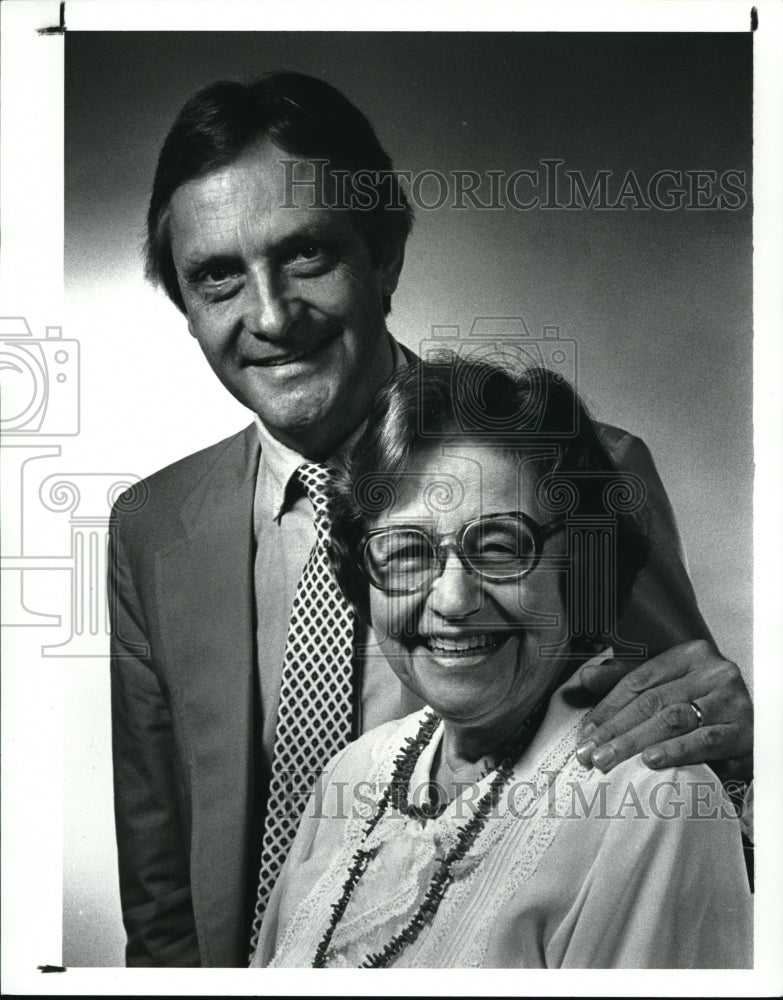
{"type": "Point", "coordinates": [312, 256]}
{"type": "Point", "coordinates": [306, 253]}
{"type": "Point", "coordinates": [215, 275]}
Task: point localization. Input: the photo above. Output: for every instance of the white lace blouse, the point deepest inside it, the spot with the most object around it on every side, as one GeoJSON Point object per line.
{"type": "Point", "coordinates": [634, 869]}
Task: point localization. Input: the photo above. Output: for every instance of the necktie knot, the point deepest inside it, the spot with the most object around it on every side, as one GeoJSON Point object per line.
{"type": "Point", "coordinates": [317, 482]}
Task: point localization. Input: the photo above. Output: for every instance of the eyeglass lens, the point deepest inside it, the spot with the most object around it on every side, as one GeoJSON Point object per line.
{"type": "Point", "coordinates": [404, 558]}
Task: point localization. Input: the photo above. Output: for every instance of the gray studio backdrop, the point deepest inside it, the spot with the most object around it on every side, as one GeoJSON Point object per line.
{"type": "Point", "coordinates": [657, 298]}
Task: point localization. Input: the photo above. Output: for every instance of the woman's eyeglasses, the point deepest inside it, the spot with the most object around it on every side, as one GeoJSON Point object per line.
{"type": "Point", "coordinates": [404, 559]}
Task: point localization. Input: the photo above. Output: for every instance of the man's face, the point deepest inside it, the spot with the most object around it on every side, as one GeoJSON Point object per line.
{"type": "Point", "coordinates": [284, 302]}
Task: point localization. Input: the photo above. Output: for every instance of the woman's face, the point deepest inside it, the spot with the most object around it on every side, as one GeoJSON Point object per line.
{"type": "Point", "coordinates": [469, 647]}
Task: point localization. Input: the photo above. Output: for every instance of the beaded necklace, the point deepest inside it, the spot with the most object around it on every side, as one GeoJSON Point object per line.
{"type": "Point", "coordinates": [396, 795]}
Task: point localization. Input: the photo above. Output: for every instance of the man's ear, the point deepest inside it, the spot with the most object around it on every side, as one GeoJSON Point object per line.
{"type": "Point", "coordinates": [391, 266]}
{"type": "Point", "coordinates": [190, 326]}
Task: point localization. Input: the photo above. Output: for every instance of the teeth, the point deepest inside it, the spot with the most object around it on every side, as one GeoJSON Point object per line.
{"type": "Point", "coordinates": [276, 362]}
{"type": "Point", "coordinates": [289, 358]}
{"type": "Point", "coordinates": [444, 645]}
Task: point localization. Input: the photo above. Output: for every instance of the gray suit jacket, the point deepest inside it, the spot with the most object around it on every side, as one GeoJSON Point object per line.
{"type": "Point", "coordinates": [184, 693]}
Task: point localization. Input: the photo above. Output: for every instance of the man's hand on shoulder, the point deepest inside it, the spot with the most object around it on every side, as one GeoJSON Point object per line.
{"type": "Point", "coordinates": [688, 705]}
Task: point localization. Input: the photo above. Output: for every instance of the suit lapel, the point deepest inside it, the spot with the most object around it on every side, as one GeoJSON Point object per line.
{"type": "Point", "coordinates": [410, 357]}
{"type": "Point", "coordinates": [206, 587]}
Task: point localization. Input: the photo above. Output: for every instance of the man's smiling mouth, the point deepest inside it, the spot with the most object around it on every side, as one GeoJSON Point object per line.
{"type": "Point", "coordinates": [290, 357]}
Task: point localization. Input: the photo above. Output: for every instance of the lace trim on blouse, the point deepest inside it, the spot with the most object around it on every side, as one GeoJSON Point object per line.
{"type": "Point", "coordinates": [506, 853]}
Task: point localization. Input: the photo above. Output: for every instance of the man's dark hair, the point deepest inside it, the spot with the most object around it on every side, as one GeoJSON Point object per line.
{"type": "Point", "coordinates": [304, 117]}
{"type": "Point", "coordinates": [424, 405]}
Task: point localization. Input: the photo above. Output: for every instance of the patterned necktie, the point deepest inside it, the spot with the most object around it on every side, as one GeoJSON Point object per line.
{"type": "Point", "coordinates": [316, 692]}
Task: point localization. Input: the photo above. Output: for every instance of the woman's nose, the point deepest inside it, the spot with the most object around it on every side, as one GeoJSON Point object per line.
{"type": "Point", "coordinates": [456, 592]}
{"type": "Point", "coordinates": [267, 311]}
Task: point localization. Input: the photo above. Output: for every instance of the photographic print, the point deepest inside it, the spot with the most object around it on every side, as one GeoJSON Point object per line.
{"type": "Point", "coordinates": [388, 393]}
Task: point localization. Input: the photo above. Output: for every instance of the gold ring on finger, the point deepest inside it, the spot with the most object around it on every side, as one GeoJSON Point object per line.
{"type": "Point", "coordinates": [698, 713]}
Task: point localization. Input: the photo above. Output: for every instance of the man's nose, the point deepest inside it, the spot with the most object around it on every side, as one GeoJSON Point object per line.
{"type": "Point", "coordinates": [455, 593]}
{"type": "Point", "coordinates": [268, 313]}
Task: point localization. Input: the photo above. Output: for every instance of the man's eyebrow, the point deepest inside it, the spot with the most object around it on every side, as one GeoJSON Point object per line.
{"type": "Point", "coordinates": [315, 229]}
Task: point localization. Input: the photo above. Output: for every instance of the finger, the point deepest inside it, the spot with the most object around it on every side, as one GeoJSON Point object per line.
{"type": "Point", "coordinates": [718, 688]}
{"type": "Point", "coordinates": [671, 663]}
{"type": "Point", "coordinates": [674, 720]}
{"type": "Point", "coordinates": [646, 706]}
{"type": "Point", "coordinates": [665, 667]}
{"type": "Point", "coordinates": [707, 743]}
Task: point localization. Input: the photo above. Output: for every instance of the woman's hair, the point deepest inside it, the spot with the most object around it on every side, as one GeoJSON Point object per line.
{"type": "Point", "coordinates": [533, 413]}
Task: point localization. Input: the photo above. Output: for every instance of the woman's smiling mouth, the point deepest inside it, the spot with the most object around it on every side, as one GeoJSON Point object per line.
{"type": "Point", "coordinates": [467, 645]}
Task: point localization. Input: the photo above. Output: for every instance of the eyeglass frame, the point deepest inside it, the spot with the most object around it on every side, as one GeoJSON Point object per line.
{"type": "Point", "coordinates": [538, 532]}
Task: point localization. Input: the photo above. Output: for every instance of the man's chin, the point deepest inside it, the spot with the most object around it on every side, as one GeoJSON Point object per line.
{"type": "Point", "coordinates": [305, 425]}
